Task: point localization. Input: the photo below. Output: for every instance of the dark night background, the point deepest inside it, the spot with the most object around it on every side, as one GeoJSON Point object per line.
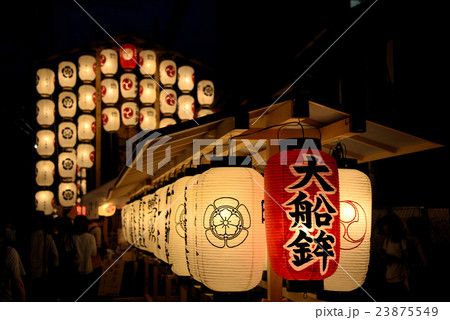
{"type": "Point", "coordinates": [253, 50]}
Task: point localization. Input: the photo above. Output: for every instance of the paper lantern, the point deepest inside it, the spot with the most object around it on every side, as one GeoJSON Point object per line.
{"type": "Point", "coordinates": [45, 143]}
{"type": "Point", "coordinates": [150, 209]}
{"type": "Point", "coordinates": [110, 91]}
{"type": "Point", "coordinates": [86, 68]}
{"type": "Point", "coordinates": [67, 194]}
{"type": "Point", "coordinates": [164, 210]}
{"type": "Point", "coordinates": [128, 85]}
{"type": "Point", "coordinates": [147, 62]}
{"type": "Point", "coordinates": [45, 173]}
{"type": "Point", "coordinates": [147, 91]}
{"type": "Point", "coordinates": [67, 104]}
{"type": "Point", "coordinates": [165, 122]}
{"type": "Point", "coordinates": [67, 134]}
{"type": "Point", "coordinates": [147, 118]}
{"type": "Point", "coordinates": [168, 101]}
{"type": "Point", "coordinates": [186, 79]}
{"type": "Point", "coordinates": [128, 56]}
{"type": "Point", "coordinates": [205, 92]}
{"type": "Point", "coordinates": [190, 223]}
{"type": "Point", "coordinates": [44, 201]}
{"type": "Point", "coordinates": [130, 113]}
{"type": "Point", "coordinates": [302, 213]}
{"type": "Point", "coordinates": [67, 165]}
{"type": "Point", "coordinates": [229, 231]}
{"type": "Point", "coordinates": [186, 107]}
{"type": "Point", "coordinates": [168, 73]}
{"type": "Point", "coordinates": [109, 62]}
{"type": "Point", "coordinates": [85, 155]}
{"type": "Point", "coordinates": [86, 127]}
{"type": "Point", "coordinates": [67, 74]}
{"type": "Point", "coordinates": [45, 112]}
{"type": "Point", "coordinates": [177, 227]}
{"type": "Point", "coordinates": [125, 222]}
{"type": "Point", "coordinates": [45, 82]}
{"type": "Point", "coordinates": [355, 195]}
{"type": "Point", "coordinates": [107, 210]}
{"type": "Point", "coordinates": [83, 187]}
{"type": "Point", "coordinates": [204, 112]}
{"type": "Point", "coordinates": [86, 97]}
{"type": "Point", "coordinates": [111, 119]}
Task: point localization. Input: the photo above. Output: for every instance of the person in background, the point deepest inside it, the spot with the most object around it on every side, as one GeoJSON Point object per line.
{"type": "Point", "coordinates": [95, 228]}
{"type": "Point", "coordinates": [12, 271]}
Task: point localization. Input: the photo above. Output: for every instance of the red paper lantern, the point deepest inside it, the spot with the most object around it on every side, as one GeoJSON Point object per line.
{"type": "Point", "coordinates": [128, 56]}
{"type": "Point", "coordinates": [302, 213]}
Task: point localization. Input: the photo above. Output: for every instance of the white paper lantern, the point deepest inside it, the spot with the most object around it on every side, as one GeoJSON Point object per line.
{"type": "Point", "coordinates": [110, 91]}
{"type": "Point", "coordinates": [125, 222]}
{"type": "Point", "coordinates": [107, 210]}
{"type": "Point", "coordinates": [147, 62]}
{"type": "Point", "coordinates": [83, 187]}
{"type": "Point", "coordinates": [186, 79]}
{"type": "Point", "coordinates": [230, 235]}
{"type": "Point", "coordinates": [109, 62]}
{"type": "Point", "coordinates": [150, 208]}
{"type": "Point", "coordinates": [355, 194]}
{"type": "Point", "coordinates": [111, 119]}
{"type": "Point", "coordinates": [67, 74]}
{"type": "Point", "coordinates": [45, 201]}
{"type": "Point", "coordinates": [67, 165]}
{"type": "Point", "coordinates": [86, 127]}
{"type": "Point", "coordinates": [67, 194]}
{"type": "Point", "coordinates": [186, 107]}
{"type": "Point", "coordinates": [147, 118]}
{"type": "Point", "coordinates": [45, 143]}
{"type": "Point", "coordinates": [205, 92]}
{"type": "Point", "coordinates": [168, 73]}
{"type": "Point", "coordinates": [67, 104]}
{"type": "Point", "coordinates": [45, 82]}
{"type": "Point", "coordinates": [147, 91]}
{"type": "Point", "coordinates": [86, 68]}
{"type": "Point", "coordinates": [67, 134]}
{"type": "Point", "coordinates": [130, 113]}
{"type": "Point", "coordinates": [165, 122]}
{"type": "Point", "coordinates": [167, 101]}
{"type": "Point", "coordinates": [86, 97]}
{"type": "Point", "coordinates": [204, 112]}
{"type": "Point", "coordinates": [85, 155]}
{"type": "Point", "coordinates": [160, 222]}
{"type": "Point", "coordinates": [45, 112]}
{"type": "Point", "coordinates": [45, 173]}
{"type": "Point", "coordinates": [191, 221]}
{"type": "Point", "coordinates": [128, 85]}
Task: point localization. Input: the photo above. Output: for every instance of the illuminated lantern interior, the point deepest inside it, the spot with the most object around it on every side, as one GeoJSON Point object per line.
{"type": "Point", "coordinates": [67, 165]}
{"type": "Point", "coordinates": [109, 62]}
{"type": "Point", "coordinates": [67, 104]}
{"type": "Point", "coordinates": [147, 91]}
{"type": "Point", "coordinates": [45, 112]}
{"type": "Point", "coordinates": [45, 82]}
{"type": "Point", "coordinates": [128, 85]}
{"type": "Point", "coordinates": [128, 56]}
{"type": "Point", "coordinates": [168, 73]}
{"type": "Point", "coordinates": [168, 121]}
{"type": "Point", "coordinates": [45, 173]}
{"type": "Point", "coordinates": [147, 62]}
{"type": "Point", "coordinates": [85, 155]}
{"type": "Point", "coordinates": [86, 97]}
{"type": "Point", "coordinates": [86, 68]}
{"type": "Point", "coordinates": [110, 91]}
{"type": "Point", "coordinates": [147, 118]}
{"type": "Point", "coordinates": [44, 201]}
{"type": "Point", "coordinates": [45, 143]}
{"type": "Point", "coordinates": [186, 107]}
{"type": "Point", "coordinates": [107, 210]}
{"type": "Point", "coordinates": [168, 101]}
{"type": "Point", "coordinates": [67, 74]}
{"type": "Point", "coordinates": [205, 93]}
{"type": "Point", "coordinates": [67, 134]}
{"type": "Point", "coordinates": [86, 127]}
{"type": "Point", "coordinates": [186, 79]}
{"type": "Point", "coordinates": [111, 119]}
{"type": "Point", "coordinates": [130, 113]}
{"type": "Point", "coordinates": [67, 194]}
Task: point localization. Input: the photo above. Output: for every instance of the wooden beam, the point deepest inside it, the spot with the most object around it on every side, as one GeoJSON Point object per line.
{"type": "Point", "coordinates": [375, 144]}
{"type": "Point", "coordinates": [336, 131]}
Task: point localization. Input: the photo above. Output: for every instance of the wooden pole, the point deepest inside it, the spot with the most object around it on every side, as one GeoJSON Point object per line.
{"type": "Point", "coordinates": [98, 120]}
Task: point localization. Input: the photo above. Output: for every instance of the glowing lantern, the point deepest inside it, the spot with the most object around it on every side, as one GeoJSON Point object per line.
{"type": "Point", "coordinates": [229, 230]}
{"type": "Point", "coordinates": [163, 195]}
{"type": "Point", "coordinates": [111, 119]}
{"type": "Point", "coordinates": [128, 56]}
{"type": "Point", "coordinates": [45, 173]}
{"type": "Point", "coordinates": [67, 134]}
{"type": "Point", "coordinates": [67, 194]}
{"type": "Point", "coordinates": [147, 118]}
{"type": "Point", "coordinates": [190, 239]}
{"type": "Point", "coordinates": [45, 112]}
{"type": "Point", "coordinates": [107, 210]}
{"type": "Point", "coordinates": [168, 101]}
{"type": "Point", "coordinates": [302, 213]}
{"type": "Point", "coordinates": [108, 62]}
{"type": "Point", "coordinates": [186, 107]}
{"type": "Point", "coordinates": [204, 112]}
{"type": "Point", "coordinates": [83, 187]}
{"type": "Point", "coordinates": [67, 74]}
{"type": "Point", "coordinates": [128, 85]}
{"type": "Point", "coordinates": [45, 143]}
{"type": "Point", "coordinates": [86, 127]}
{"type": "Point", "coordinates": [125, 222]}
{"type": "Point", "coordinates": [45, 82]}
{"type": "Point", "coordinates": [44, 201]}
{"type": "Point", "coordinates": [355, 194]}
{"type": "Point", "coordinates": [165, 122]}
{"type": "Point", "coordinates": [147, 62]}
{"type": "Point", "coordinates": [86, 97]}
{"type": "Point", "coordinates": [168, 73]}
{"type": "Point", "coordinates": [67, 165]}
{"type": "Point", "coordinates": [130, 113]}
{"type": "Point", "coordinates": [86, 68]}
{"type": "Point", "coordinates": [147, 91]}
{"type": "Point", "coordinates": [85, 155]}
{"type": "Point", "coordinates": [150, 215]}
{"type": "Point", "coordinates": [205, 92]}
{"type": "Point", "coordinates": [186, 78]}
{"type": "Point", "coordinates": [110, 91]}
{"type": "Point", "coordinates": [67, 104]}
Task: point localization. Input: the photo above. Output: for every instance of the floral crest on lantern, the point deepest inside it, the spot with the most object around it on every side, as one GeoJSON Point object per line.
{"type": "Point", "coordinates": [226, 222]}
{"type": "Point", "coordinates": [67, 72]}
